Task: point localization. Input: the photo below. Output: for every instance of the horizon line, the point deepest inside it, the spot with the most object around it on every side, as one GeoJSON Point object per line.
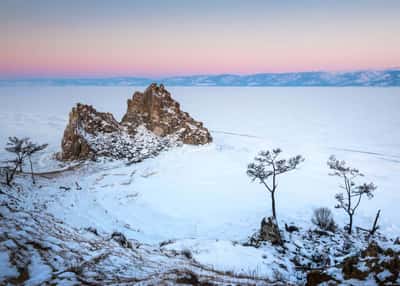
{"type": "Point", "coordinates": [56, 77]}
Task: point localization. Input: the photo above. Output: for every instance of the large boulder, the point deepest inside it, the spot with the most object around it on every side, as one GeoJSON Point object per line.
{"type": "Point", "coordinates": [153, 122]}
{"type": "Point", "coordinates": [155, 109]}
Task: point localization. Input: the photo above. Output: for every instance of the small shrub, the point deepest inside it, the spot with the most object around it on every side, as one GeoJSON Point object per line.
{"type": "Point", "coordinates": [121, 239]}
{"type": "Point", "coordinates": [323, 218]}
{"type": "Point", "coordinates": [92, 230]}
{"type": "Point", "coordinates": [187, 253]}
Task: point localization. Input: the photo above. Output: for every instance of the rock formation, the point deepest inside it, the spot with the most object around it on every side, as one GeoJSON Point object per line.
{"type": "Point", "coordinates": [153, 122]}
{"type": "Point", "coordinates": [269, 231]}
{"type": "Point", "coordinates": [85, 121]}
{"type": "Point", "coordinates": [156, 109]}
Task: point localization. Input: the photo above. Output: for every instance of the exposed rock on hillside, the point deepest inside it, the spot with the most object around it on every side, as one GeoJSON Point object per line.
{"type": "Point", "coordinates": [84, 120]}
{"type": "Point", "coordinates": [156, 109]}
{"type": "Point", "coordinates": [90, 134]}
{"type": "Point", "coordinates": [269, 231]}
{"type": "Point", "coordinates": [382, 264]}
{"type": "Point", "coordinates": [152, 123]}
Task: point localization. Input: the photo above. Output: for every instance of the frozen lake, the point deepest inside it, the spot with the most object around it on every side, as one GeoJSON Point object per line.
{"type": "Point", "coordinates": [204, 191]}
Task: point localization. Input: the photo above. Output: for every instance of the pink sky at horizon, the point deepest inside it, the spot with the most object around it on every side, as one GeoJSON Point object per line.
{"type": "Point", "coordinates": [129, 38]}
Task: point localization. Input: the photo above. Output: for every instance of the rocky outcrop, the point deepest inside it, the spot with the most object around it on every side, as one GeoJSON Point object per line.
{"type": "Point", "coordinates": [85, 121]}
{"type": "Point", "coordinates": [153, 122]}
{"type": "Point", "coordinates": [155, 109]}
{"type": "Point", "coordinates": [269, 231]}
{"type": "Point", "coordinates": [90, 134]}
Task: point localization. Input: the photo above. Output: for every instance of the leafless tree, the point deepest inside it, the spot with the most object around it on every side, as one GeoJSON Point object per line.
{"type": "Point", "coordinates": [30, 150]}
{"type": "Point", "coordinates": [350, 200]}
{"type": "Point", "coordinates": [17, 146]}
{"type": "Point", "coordinates": [23, 149]}
{"type": "Point", "coordinates": [267, 165]}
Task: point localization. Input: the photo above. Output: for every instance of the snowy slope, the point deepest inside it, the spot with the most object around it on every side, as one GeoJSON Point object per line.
{"type": "Point", "coordinates": [311, 122]}
{"type": "Point", "coordinates": [200, 195]}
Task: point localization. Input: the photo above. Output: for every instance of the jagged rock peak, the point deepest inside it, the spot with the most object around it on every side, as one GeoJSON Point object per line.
{"type": "Point", "coordinates": [160, 113]}
{"type": "Point", "coordinates": [92, 121]}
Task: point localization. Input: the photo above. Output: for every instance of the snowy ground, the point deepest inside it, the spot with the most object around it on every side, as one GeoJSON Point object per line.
{"type": "Point", "coordinates": [200, 194]}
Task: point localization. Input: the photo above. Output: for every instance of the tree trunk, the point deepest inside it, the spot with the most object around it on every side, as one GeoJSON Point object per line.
{"type": "Point", "coordinates": [33, 177]}
{"type": "Point", "coordinates": [8, 179]}
{"type": "Point", "coordinates": [375, 225]}
{"type": "Point", "coordinates": [20, 162]}
{"type": "Point", "coordinates": [273, 205]}
{"type": "Point", "coordinates": [350, 224]}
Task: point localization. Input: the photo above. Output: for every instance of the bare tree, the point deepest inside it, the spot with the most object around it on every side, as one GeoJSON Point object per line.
{"type": "Point", "coordinates": [267, 165]}
{"type": "Point", "coordinates": [23, 149]}
{"type": "Point", "coordinates": [17, 146]}
{"type": "Point", "coordinates": [31, 149]}
{"type": "Point", "coordinates": [350, 200]}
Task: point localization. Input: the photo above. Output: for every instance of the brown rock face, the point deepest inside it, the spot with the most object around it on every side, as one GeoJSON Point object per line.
{"type": "Point", "coordinates": [85, 120]}
{"type": "Point", "coordinates": [153, 122]}
{"type": "Point", "coordinates": [156, 109]}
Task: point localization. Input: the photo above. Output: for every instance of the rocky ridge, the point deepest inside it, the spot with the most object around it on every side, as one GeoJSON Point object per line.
{"type": "Point", "coordinates": [153, 122]}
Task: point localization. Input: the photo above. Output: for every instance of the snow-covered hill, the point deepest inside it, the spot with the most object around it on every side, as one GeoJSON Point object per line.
{"type": "Point", "coordinates": [356, 78]}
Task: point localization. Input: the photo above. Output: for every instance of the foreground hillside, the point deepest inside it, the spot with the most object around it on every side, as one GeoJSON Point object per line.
{"type": "Point", "coordinates": [88, 224]}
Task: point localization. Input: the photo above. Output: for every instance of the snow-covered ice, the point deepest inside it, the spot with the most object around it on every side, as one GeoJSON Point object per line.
{"type": "Point", "coordinates": [200, 194]}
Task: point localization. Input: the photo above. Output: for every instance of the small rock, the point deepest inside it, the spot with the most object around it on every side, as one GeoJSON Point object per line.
{"type": "Point", "coordinates": [350, 270]}
{"type": "Point", "coordinates": [269, 231]}
{"type": "Point", "coordinates": [121, 239]}
{"type": "Point", "coordinates": [316, 277]}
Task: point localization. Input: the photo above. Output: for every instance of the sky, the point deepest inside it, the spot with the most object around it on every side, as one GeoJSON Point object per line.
{"type": "Point", "coordinates": [156, 38]}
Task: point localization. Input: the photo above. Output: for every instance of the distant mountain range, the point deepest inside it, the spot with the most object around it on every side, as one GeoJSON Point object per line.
{"type": "Point", "coordinates": [356, 78]}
